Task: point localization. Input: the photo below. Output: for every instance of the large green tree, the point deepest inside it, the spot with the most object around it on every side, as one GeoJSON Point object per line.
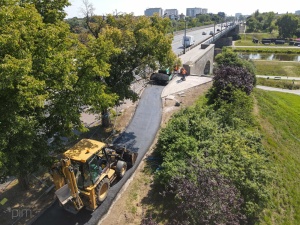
{"type": "Point", "coordinates": [145, 46]}
{"type": "Point", "coordinates": [50, 10]}
{"type": "Point", "coordinates": [287, 25]}
{"type": "Point", "coordinates": [46, 77]}
{"type": "Point", "coordinates": [144, 43]}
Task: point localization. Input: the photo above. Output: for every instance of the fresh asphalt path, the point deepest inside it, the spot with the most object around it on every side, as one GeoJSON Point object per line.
{"type": "Point", "coordinates": [138, 136]}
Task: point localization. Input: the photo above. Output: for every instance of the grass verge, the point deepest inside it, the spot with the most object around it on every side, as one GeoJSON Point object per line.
{"type": "Point", "coordinates": [279, 119]}
{"type": "Point", "coordinates": [270, 49]}
{"type": "Point", "coordinates": [285, 84]}
{"type": "Point", "coordinates": [276, 68]}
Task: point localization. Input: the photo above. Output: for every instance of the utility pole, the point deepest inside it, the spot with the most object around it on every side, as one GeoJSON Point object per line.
{"type": "Point", "coordinates": [184, 36]}
{"type": "Point", "coordinates": [214, 30]}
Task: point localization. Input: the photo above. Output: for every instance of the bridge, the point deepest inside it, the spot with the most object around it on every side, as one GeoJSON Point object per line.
{"type": "Point", "coordinates": [198, 59]}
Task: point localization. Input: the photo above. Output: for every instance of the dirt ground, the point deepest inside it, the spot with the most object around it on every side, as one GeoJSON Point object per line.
{"type": "Point", "coordinates": [20, 207]}
{"type": "Point", "coordinates": [128, 207]}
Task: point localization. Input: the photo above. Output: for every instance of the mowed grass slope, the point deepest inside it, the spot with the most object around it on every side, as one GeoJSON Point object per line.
{"type": "Point", "coordinates": [279, 116]}
{"type": "Point", "coordinates": [277, 68]}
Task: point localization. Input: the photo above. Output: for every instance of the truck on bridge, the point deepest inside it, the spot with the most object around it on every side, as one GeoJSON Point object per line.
{"type": "Point", "coordinates": [188, 40]}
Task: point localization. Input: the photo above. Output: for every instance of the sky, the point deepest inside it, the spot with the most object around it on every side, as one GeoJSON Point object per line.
{"type": "Point", "coordinates": [230, 7]}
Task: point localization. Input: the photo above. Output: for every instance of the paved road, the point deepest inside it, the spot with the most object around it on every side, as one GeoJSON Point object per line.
{"type": "Point", "coordinates": [138, 136]}
{"type": "Point", "coordinates": [197, 33]}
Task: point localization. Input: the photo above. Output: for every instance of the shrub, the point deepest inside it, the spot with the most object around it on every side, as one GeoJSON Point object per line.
{"type": "Point", "coordinates": [228, 79]}
{"type": "Point", "coordinates": [203, 196]}
{"type": "Point", "coordinates": [237, 154]}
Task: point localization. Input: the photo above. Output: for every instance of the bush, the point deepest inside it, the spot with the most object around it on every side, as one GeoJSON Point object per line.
{"type": "Point", "coordinates": [203, 196]}
{"type": "Point", "coordinates": [226, 80]}
{"type": "Point", "coordinates": [237, 154]}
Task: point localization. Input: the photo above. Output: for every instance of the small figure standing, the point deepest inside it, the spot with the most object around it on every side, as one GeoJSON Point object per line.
{"type": "Point", "coordinates": [176, 69]}
{"type": "Point", "coordinates": [183, 73]}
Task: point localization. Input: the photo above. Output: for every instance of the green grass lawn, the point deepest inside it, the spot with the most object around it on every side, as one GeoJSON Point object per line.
{"type": "Point", "coordinates": [285, 84]}
{"type": "Point", "coordinates": [279, 117]}
{"type": "Point", "coordinates": [277, 68]}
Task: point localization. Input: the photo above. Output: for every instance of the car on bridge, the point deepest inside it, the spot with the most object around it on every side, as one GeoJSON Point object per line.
{"type": "Point", "coordinates": [203, 33]}
{"type": "Point", "coordinates": [211, 33]}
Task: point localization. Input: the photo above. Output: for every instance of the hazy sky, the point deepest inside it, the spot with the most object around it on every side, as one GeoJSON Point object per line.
{"type": "Point", "coordinates": [230, 7]}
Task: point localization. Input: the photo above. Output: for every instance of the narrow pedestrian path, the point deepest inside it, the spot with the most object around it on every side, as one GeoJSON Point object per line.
{"type": "Point", "coordinates": [278, 77]}
{"type": "Point", "coordinates": [266, 88]}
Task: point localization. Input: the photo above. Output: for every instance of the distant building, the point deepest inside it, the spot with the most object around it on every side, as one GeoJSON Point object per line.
{"type": "Point", "coordinates": [182, 16]}
{"type": "Point", "coordinates": [170, 12]}
{"type": "Point", "coordinates": [192, 12]}
{"type": "Point", "coordinates": [237, 15]}
{"type": "Point", "coordinates": [152, 11]}
{"type": "Point", "coordinates": [297, 12]}
{"type": "Point", "coordinates": [221, 14]}
{"type": "Point", "coordinates": [204, 11]}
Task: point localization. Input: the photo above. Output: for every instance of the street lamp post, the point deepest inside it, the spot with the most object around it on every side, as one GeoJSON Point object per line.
{"type": "Point", "coordinates": [184, 37]}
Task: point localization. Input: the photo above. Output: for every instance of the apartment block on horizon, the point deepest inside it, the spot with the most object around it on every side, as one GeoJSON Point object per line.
{"type": "Point", "coordinates": [170, 12]}
{"type": "Point", "coordinates": [152, 11]}
{"type": "Point", "coordinates": [193, 12]}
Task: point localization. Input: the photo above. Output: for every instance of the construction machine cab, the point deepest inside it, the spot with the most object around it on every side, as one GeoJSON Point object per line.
{"type": "Point", "coordinates": [87, 173]}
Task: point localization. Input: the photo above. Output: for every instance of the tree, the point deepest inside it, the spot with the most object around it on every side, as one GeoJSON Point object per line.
{"type": "Point", "coordinates": [268, 21]}
{"type": "Point", "coordinates": [46, 77]}
{"type": "Point", "coordinates": [230, 58]}
{"type": "Point", "coordinates": [227, 79]}
{"type": "Point", "coordinates": [297, 33]}
{"type": "Point", "coordinates": [287, 25]}
{"type": "Point", "coordinates": [253, 24]}
{"type": "Point", "coordinates": [50, 10]}
{"type": "Point", "coordinates": [145, 46]}
{"type": "Point", "coordinates": [93, 22]}
{"type": "Point", "coordinates": [203, 196]}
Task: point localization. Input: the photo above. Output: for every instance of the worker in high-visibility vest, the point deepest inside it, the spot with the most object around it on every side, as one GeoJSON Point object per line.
{"type": "Point", "coordinates": [183, 73]}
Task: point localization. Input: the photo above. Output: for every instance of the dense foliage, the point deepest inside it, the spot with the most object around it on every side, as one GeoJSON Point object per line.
{"type": "Point", "coordinates": [230, 58]}
{"type": "Point", "coordinates": [144, 43]}
{"type": "Point", "coordinates": [48, 76]}
{"type": "Point", "coordinates": [203, 196]}
{"type": "Point", "coordinates": [261, 22]}
{"type": "Point", "coordinates": [287, 25]}
{"type": "Point", "coordinates": [51, 11]}
{"type": "Point", "coordinates": [204, 134]}
{"type": "Point", "coordinates": [227, 79]}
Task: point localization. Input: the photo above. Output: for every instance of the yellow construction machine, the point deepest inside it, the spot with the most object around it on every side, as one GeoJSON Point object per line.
{"type": "Point", "coordinates": [85, 173]}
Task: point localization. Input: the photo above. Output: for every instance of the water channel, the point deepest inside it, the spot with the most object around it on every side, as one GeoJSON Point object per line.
{"type": "Point", "coordinates": [270, 56]}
